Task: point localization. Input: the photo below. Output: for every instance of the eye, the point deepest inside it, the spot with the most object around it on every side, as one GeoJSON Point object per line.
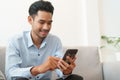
{"type": "Point", "coordinates": [41, 22]}
{"type": "Point", "coordinates": [49, 23]}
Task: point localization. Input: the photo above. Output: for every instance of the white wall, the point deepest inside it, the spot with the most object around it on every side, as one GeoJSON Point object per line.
{"type": "Point", "coordinates": [67, 22]}
{"type": "Point", "coordinates": [110, 17]}
{"type": "Point", "coordinates": [77, 22]}
{"type": "Point", "coordinates": [74, 21]}
{"type": "Point", "coordinates": [93, 27]}
{"type": "Point", "coordinates": [13, 18]}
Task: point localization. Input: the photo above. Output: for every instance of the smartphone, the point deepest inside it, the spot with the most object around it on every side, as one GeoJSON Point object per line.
{"type": "Point", "coordinates": [71, 53]}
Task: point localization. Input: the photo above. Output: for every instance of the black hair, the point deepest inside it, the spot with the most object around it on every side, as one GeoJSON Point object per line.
{"type": "Point", "coordinates": [42, 6]}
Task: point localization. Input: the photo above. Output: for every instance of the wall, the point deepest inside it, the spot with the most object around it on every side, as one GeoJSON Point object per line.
{"type": "Point", "coordinates": [109, 17]}
{"type": "Point", "coordinates": [13, 18]}
{"type": "Point", "coordinates": [67, 22]}
{"type": "Point", "coordinates": [93, 25]}
{"type": "Point", "coordinates": [75, 22]}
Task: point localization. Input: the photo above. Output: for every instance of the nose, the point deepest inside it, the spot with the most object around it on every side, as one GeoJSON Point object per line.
{"type": "Point", "coordinates": [46, 26]}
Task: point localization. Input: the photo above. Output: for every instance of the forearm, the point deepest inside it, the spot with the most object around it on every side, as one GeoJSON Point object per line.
{"type": "Point", "coordinates": [39, 69]}
{"type": "Point", "coordinates": [34, 71]}
{"type": "Point", "coordinates": [20, 72]}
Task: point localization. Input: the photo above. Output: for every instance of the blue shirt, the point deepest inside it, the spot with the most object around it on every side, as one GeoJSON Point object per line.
{"type": "Point", "coordinates": [22, 55]}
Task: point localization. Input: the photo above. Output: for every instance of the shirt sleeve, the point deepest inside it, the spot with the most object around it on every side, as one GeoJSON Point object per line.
{"type": "Point", "coordinates": [13, 61]}
{"type": "Point", "coordinates": [59, 53]}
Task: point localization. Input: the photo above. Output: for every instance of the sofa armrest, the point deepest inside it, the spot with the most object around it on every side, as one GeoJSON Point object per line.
{"type": "Point", "coordinates": [2, 77]}
{"type": "Point", "coordinates": [111, 70]}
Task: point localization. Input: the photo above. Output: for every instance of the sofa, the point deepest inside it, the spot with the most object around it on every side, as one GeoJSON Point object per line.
{"type": "Point", "coordinates": [88, 65]}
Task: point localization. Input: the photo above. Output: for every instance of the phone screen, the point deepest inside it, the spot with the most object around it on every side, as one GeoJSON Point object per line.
{"type": "Point", "coordinates": [71, 53]}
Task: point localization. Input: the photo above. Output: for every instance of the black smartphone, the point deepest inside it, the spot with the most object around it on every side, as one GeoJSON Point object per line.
{"type": "Point", "coordinates": [71, 53]}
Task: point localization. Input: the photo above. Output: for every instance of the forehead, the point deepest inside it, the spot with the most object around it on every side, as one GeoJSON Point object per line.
{"type": "Point", "coordinates": [44, 15]}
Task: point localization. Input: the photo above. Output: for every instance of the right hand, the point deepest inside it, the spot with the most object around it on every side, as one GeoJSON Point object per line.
{"type": "Point", "coordinates": [50, 64]}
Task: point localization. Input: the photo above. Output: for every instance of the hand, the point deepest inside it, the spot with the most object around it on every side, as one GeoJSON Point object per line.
{"type": "Point", "coordinates": [65, 67]}
{"type": "Point", "coordinates": [50, 64]}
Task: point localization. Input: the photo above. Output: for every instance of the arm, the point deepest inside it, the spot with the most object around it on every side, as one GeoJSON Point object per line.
{"type": "Point", "coordinates": [65, 67]}
{"type": "Point", "coordinates": [50, 64]}
{"type": "Point", "coordinates": [13, 61]}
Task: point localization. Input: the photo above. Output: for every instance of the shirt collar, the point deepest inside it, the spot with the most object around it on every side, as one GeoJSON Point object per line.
{"type": "Point", "coordinates": [30, 42]}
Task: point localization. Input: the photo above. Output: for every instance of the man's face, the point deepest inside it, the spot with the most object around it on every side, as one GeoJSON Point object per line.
{"type": "Point", "coordinates": [41, 24]}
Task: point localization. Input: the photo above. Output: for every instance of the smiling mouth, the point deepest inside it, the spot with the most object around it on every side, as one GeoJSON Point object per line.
{"type": "Point", "coordinates": [44, 32]}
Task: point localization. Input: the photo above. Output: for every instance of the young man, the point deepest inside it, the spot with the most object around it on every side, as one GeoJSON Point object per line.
{"type": "Point", "coordinates": [35, 54]}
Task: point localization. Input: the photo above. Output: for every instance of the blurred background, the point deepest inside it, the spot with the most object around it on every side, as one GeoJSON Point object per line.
{"type": "Point", "coordinates": [76, 22]}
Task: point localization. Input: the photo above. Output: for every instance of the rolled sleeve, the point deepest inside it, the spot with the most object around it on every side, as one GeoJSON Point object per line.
{"type": "Point", "coordinates": [21, 72]}
{"type": "Point", "coordinates": [13, 62]}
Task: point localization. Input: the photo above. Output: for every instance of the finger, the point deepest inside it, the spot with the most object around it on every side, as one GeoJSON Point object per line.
{"type": "Point", "coordinates": [74, 59]}
{"type": "Point", "coordinates": [63, 64]}
{"type": "Point", "coordinates": [71, 60]}
{"type": "Point", "coordinates": [53, 66]}
{"type": "Point", "coordinates": [72, 66]}
{"type": "Point", "coordinates": [56, 58]}
{"type": "Point", "coordinates": [60, 67]}
{"type": "Point", "coordinates": [52, 61]}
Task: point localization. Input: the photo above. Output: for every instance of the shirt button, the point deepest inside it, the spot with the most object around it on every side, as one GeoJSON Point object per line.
{"type": "Point", "coordinates": [37, 76]}
{"type": "Point", "coordinates": [30, 77]}
{"type": "Point", "coordinates": [38, 54]}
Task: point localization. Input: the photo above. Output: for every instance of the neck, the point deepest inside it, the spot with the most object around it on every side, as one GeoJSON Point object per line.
{"type": "Point", "coordinates": [36, 40]}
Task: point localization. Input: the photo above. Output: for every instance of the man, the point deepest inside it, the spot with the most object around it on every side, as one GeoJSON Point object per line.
{"type": "Point", "coordinates": [35, 54]}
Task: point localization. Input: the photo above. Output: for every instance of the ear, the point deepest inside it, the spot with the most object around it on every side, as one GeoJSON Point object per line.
{"type": "Point", "coordinates": [30, 19]}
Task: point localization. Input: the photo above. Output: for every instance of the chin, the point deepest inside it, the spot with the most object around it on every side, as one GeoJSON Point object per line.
{"type": "Point", "coordinates": [42, 37]}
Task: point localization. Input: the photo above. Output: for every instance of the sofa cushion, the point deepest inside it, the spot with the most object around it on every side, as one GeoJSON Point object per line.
{"type": "Point", "coordinates": [88, 63]}
{"type": "Point", "coordinates": [2, 59]}
{"type": "Point", "coordinates": [2, 76]}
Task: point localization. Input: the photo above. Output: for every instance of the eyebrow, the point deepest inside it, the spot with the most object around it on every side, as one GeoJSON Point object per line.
{"type": "Point", "coordinates": [45, 21]}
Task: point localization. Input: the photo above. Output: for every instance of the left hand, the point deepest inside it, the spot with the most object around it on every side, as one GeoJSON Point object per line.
{"type": "Point", "coordinates": [65, 67]}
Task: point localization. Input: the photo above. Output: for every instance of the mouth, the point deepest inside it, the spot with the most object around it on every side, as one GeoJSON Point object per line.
{"type": "Point", "coordinates": [44, 32]}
